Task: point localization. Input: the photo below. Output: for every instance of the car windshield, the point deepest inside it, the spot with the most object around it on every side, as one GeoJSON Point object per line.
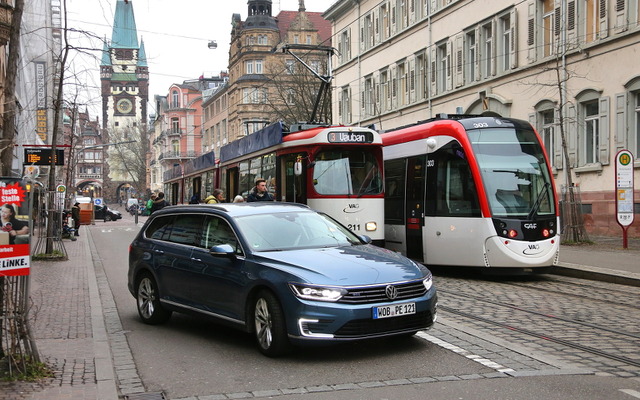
{"type": "Point", "coordinates": [293, 230]}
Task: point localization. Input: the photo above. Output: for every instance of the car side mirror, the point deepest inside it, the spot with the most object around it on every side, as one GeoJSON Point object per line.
{"type": "Point", "coordinates": [366, 239]}
{"type": "Point", "coordinates": [222, 250]}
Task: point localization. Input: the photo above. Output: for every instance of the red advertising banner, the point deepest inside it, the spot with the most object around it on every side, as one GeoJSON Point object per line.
{"type": "Point", "coordinates": [15, 236]}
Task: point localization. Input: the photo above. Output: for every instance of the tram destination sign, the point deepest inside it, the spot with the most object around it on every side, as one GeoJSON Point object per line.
{"type": "Point", "coordinates": [350, 137]}
{"type": "Point", "coordinates": [41, 156]}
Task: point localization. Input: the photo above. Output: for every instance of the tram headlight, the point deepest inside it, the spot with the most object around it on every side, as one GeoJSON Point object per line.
{"type": "Point", "coordinates": [545, 233]}
{"type": "Point", "coordinates": [513, 233]}
{"type": "Point", "coordinates": [371, 226]}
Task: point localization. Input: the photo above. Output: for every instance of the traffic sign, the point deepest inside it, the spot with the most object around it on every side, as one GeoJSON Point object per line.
{"type": "Point", "coordinates": [61, 188]}
{"type": "Point", "coordinates": [97, 201]}
{"type": "Point", "coordinates": [624, 191]}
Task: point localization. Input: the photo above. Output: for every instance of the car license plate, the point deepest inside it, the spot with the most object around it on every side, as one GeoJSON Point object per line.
{"type": "Point", "coordinates": [395, 310]}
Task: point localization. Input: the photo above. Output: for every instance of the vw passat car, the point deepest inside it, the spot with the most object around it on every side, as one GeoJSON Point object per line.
{"type": "Point", "coordinates": [283, 272]}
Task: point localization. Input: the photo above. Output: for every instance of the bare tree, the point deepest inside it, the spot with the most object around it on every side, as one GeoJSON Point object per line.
{"type": "Point", "coordinates": [129, 157]}
{"type": "Point", "coordinates": [298, 87]}
{"type": "Point", "coordinates": [9, 127]}
{"type": "Point", "coordinates": [573, 229]}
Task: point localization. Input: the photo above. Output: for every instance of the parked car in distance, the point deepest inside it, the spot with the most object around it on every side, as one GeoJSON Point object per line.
{"type": "Point", "coordinates": [105, 213]}
{"type": "Point", "coordinates": [281, 271]}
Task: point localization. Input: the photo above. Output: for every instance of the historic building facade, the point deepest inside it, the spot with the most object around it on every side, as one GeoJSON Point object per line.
{"type": "Point", "coordinates": [399, 62]}
{"type": "Point", "coordinates": [124, 77]}
{"type": "Point", "coordinates": [256, 62]}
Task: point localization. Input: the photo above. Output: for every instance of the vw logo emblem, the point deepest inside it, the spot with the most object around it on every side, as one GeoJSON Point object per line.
{"type": "Point", "coordinates": [391, 292]}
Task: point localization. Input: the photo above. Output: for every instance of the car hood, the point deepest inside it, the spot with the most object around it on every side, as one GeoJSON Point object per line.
{"type": "Point", "coordinates": [348, 265]}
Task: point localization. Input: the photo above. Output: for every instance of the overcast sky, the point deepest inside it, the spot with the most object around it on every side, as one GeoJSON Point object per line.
{"type": "Point", "coordinates": [175, 34]}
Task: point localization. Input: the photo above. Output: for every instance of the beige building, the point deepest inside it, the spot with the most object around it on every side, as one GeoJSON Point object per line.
{"type": "Point", "coordinates": [401, 61]}
{"type": "Point", "coordinates": [256, 64]}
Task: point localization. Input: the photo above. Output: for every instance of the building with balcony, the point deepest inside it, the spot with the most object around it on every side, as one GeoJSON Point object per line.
{"type": "Point", "coordinates": [176, 136]}
{"type": "Point", "coordinates": [399, 62]}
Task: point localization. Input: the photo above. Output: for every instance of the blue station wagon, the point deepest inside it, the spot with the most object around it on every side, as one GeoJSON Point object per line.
{"type": "Point", "coordinates": [281, 271]}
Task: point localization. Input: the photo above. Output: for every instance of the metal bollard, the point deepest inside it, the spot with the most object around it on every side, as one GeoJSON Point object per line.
{"type": "Point", "coordinates": [137, 212]}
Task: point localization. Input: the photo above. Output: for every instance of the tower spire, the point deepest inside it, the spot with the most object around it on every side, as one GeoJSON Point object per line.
{"type": "Point", "coordinates": [125, 34]}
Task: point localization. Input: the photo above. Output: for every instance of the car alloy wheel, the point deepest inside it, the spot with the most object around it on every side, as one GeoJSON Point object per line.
{"type": "Point", "coordinates": [149, 307]}
{"type": "Point", "coordinates": [269, 326]}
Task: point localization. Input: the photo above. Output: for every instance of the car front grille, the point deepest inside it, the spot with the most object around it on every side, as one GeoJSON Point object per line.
{"type": "Point", "coordinates": [376, 294]}
{"type": "Point", "coordinates": [371, 327]}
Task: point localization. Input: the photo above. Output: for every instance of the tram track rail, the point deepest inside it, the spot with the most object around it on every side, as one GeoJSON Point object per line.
{"type": "Point", "coordinates": [528, 332]}
{"type": "Point", "coordinates": [546, 315]}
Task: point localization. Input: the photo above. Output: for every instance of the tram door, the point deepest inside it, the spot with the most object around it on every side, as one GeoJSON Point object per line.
{"type": "Point", "coordinates": [233, 188]}
{"type": "Point", "coordinates": [415, 189]}
{"type": "Point", "coordinates": [295, 186]}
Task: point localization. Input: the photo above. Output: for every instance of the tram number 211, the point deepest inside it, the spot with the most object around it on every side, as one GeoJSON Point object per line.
{"type": "Point", "coordinates": [354, 227]}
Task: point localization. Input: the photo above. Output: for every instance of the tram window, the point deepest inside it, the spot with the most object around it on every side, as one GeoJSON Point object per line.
{"type": "Point", "coordinates": [451, 190]}
{"type": "Point", "coordinates": [395, 171]}
{"type": "Point", "coordinates": [346, 172]}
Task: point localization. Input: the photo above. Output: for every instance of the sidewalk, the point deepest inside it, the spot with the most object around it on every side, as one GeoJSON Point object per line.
{"type": "Point", "coordinates": [68, 326]}
{"type": "Point", "coordinates": [604, 260]}
{"type": "Point", "coordinates": [68, 319]}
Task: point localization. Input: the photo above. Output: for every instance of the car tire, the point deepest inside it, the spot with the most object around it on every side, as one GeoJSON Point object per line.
{"type": "Point", "coordinates": [108, 218]}
{"type": "Point", "coordinates": [148, 301]}
{"type": "Point", "coordinates": [269, 325]}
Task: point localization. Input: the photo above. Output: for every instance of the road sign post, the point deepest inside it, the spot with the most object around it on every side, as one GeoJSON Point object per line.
{"type": "Point", "coordinates": [624, 192]}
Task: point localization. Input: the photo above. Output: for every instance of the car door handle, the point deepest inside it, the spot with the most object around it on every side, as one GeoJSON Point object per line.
{"type": "Point", "coordinates": [196, 259]}
{"type": "Point", "coordinates": [158, 251]}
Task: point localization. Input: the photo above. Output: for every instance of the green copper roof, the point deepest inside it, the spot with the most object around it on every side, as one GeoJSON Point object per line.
{"type": "Point", "coordinates": [125, 35]}
{"type": "Point", "coordinates": [106, 59]}
{"type": "Point", "coordinates": [142, 55]}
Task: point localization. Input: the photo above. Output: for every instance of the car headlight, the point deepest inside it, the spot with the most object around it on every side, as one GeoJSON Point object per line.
{"type": "Point", "coordinates": [317, 293]}
{"type": "Point", "coordinates": [428, 282]}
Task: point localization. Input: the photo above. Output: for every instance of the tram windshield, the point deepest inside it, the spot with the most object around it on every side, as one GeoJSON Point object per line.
{"type": "Point", "coordinates": [514, 172]}
{"type": "Point", "coordinates": [347, 172]}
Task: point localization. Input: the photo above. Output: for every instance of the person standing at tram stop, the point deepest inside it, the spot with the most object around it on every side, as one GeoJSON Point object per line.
{"type": "Point", "coordinates": [11, 224]}
{"type": "Point", "coordinates": [159, 203]}
{"type": "Point", "coordinates": [149, 204]}
{"type": "Point", "coordinates": [216, 197]}
{"type": "Point", "coordinates": [75, 214]}
{"type": "Point", "coordinates": [259, 192]}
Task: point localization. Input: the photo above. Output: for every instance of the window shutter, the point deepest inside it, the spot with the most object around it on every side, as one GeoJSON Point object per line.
{"type": "Point", "coordinates": [621, 121]}
{"type": "Point", "coordinates": [622, 16]}
{"type": "Point", "coordinates": [362, 39]}
{"type": "Point", "coordinates": [572, 135]}
{"type": "Point", "coordinates": [459, 60]}
{"type": "Point", "coordinates": [478, 76]}
{"type": "Point", "coordinates": [449, 65]}
{"type": "Point", "coordinates": [494, 47]}
{"type": "Point", "coordinates": [513, 46]}
{"type": "Point", "coordinates": [557, 157]}
{"type": "Point", "coordinates": [603, 151]}
{"type": "Point", "coordinates": [412, 79]}
{"type": "Point", "coordinates": [571, 23]}
{"type": "Point", "coordinates": [531, 32]}
{"type": "Point", "coordinates": [604, 23]}
{"type": "Point", "coordinates": [433, 79]}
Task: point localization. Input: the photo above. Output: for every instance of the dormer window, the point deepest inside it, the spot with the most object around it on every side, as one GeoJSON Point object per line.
{"type": "Point", "coordinates": [175, 99]}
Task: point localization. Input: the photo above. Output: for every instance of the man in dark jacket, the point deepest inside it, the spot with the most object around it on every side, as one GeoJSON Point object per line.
{"type": "Point", "coordinates": [158, 203]}
{"type": "Point", "coordinates": [75, 214]}
{"type": "Point", "coordinates": [259, 192]}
